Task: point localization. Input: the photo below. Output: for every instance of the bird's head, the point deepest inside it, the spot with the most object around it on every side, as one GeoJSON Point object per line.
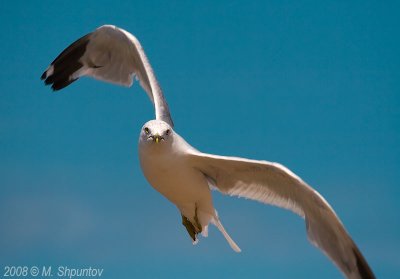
{"type": "Point", "coordinates": [156, 132]}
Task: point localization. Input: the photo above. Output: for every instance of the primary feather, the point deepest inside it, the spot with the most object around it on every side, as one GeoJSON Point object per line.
{"type": "Point", "coordinates": [108, 54]}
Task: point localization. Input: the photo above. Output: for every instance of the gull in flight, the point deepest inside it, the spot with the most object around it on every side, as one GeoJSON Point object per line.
{"type": "Point", "coordinates": [186, 176]}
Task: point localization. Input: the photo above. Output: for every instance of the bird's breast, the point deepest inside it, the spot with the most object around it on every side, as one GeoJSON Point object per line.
{"type": "Point", "coordinates": [173, 177]}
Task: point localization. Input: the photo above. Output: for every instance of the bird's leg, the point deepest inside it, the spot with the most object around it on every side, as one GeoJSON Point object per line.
{"type": "Point", "coordinates": [196, 219]}
{"type": "Point", "coordinates": [192, 229]}
{"type": "Point", "coordinates": [189, 227]}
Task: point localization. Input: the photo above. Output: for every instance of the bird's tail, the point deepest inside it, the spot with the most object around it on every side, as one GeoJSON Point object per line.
{"type": "Point", "coordinates": [221, 228]}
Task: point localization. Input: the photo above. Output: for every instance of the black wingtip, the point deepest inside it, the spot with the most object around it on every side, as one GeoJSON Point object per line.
{"type": "Point", "coordinates": [43, 76]}
{"type": "Point", "coordinates": [48, 81]}
{"type": "Point", "coordinates": [362, 266]}
{"type": "Point", "coordinates": [66, 65]}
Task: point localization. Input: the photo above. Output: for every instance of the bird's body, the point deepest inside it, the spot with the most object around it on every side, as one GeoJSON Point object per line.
{"type": "Point", "coordinates": [166, 168]}
{"type": "Point", "coordinates": [185, 175]}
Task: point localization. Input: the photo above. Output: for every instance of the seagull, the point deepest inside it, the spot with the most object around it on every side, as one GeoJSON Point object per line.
{"type": "Point", "coordinates": [186, 176]}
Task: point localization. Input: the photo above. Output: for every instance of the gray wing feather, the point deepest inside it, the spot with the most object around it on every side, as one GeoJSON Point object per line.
{"type": "Point", "coordinates": [274, 184]}
{"type": "Point", "coordinates": [109, 54]}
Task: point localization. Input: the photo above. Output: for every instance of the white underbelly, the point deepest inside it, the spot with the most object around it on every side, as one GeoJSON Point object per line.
{"type": "Point", "coordinates": [178, 182]}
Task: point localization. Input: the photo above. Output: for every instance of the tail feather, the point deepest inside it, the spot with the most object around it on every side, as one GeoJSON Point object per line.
{"type": "Point", "coordinates": [221, 228]}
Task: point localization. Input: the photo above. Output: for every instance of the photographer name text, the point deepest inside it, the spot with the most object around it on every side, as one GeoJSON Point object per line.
{"type": "Point", "coordinates": [61, 271]}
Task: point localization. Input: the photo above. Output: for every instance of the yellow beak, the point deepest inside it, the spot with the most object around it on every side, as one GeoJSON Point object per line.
{"type": "Point", "coordinates": [157, 138]}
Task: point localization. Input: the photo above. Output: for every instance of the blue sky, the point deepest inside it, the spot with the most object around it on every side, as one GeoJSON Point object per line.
{"type": "Point", "coordinates": [312, 85]}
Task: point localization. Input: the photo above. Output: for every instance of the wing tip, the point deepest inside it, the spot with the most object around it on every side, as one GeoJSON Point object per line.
{"type": "Point", "coordinates": [56, 84]}
{"type": "Point", "coordinates": [44, 75]}
{"type": "Point", "coordinates": [65, 68]}
{"type": "Point", "coordinates": [364, 269]}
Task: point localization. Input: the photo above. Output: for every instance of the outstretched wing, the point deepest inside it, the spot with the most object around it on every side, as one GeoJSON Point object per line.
{"type": "Point", "coordinates": [109, 54]}
{"type": "Point", "coordinates": [274, 184]}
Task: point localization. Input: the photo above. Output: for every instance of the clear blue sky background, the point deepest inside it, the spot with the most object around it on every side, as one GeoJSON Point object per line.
{"type": "Point", "coordinates": [315, 86]}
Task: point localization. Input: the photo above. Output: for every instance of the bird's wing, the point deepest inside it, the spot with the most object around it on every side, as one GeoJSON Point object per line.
{"type": "Point", "coordinates": [274, 184]}
{"type": "Point", "coordinates": [109, 54]}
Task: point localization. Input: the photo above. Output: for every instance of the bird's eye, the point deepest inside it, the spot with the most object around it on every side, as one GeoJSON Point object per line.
{"type": "Point", "coordinates": [168, 132]}
{"type": "Point", "coordinates": [146, 130]}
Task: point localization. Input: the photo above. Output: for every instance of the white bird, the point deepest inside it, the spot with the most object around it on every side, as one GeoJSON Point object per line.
{"type": "Point", "coordinates": [184, 175]}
